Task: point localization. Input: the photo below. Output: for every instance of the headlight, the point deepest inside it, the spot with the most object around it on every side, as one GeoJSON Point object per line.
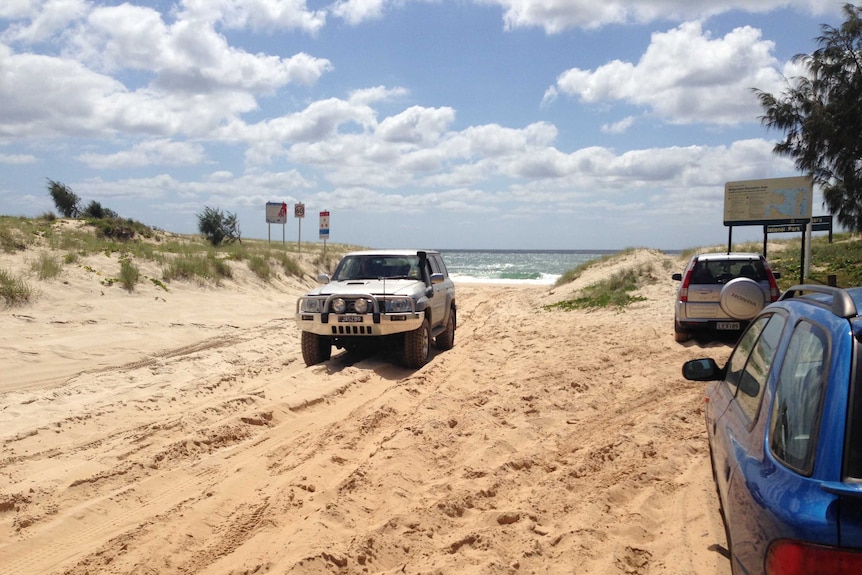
{"type": "Point", "coordinates": [310, 305]}
{"type": "Point", "coordinates": [361, 305]}
{"type": "Point", "coordinates": [398, 306]}
{"type": "Point", "coordinates": [338, 305]}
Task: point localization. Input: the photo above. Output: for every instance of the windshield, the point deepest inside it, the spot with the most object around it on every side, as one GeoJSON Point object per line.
{"type": "Point", "coordinates": [364, 267]}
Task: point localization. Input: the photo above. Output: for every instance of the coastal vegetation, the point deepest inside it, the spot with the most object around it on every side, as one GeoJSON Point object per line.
{"type": "Point", "coordinates": [50, 245]}
{"type": "Point", "coordinates": [819, 115]}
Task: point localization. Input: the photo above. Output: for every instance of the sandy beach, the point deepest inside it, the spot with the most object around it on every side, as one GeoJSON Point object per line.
{"type": "Point", "coordinates": [179, 432]}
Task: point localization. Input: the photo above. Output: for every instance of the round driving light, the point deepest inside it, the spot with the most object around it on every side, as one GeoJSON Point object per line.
{"type": "Point", "coordinates": [361, 306]}
{"type": "Point", "coordinates": [338, 305]}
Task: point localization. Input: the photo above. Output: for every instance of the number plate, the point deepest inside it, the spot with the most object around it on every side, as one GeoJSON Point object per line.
{"type": "Point", "coordinates": [350, 319]}
{"type": "Point", "coordinates": [727, 325]}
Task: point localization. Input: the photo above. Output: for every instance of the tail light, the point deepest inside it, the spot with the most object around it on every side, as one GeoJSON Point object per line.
{"type": "Point", "coordinates": [773, 287]}
{"type": "Point", "coordinates": [683, 290]}
{"type": "Point", "coordinates": [786, 557]}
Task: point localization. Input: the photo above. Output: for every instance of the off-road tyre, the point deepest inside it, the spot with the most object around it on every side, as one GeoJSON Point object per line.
{"type": "Point", "coordinates": [315, 348]}
{"type": "Point", "coordinates": [417, 346]}
{"type": "Point", "coordinates": [446, 339]}
{"type": "Point", "coordinates": [679, 334]}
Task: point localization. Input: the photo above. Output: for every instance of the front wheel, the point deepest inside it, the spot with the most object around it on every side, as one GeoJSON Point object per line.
{"type": "Point", "coordinates": [446, 339]}
{"type": "Point", "coordinates": [315, 348]}
{"type": "Point", "coordinates": [417, 346]}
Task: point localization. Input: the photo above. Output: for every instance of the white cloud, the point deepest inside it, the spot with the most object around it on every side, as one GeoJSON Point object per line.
{"type": "Point", "coordinates": [619, 127]}
{"type": "Point", "coordinates": [45, 19]}
{"type": "Point", "coordinates": [194, 81]}
{"type": "Point", "coordinates": [356, 11]}
{"type": "Point", "coordinates": [558, 15]}
{"type": "Point", "coordinates": [18, 159]}
{"type": "Point", "coordinates": [685, 76]}
{"type": "Point", "coordinates": [187, 56]}
{"type": "Point", "coordinates": [160, 152]}
{"type": "Point", "coordinates": [255, 14]}
{"type": "Point", "coordinates": [416, 125]}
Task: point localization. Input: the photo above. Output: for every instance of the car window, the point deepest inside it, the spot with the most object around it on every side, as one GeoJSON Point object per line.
{"type": "Point", "coordinates": [371, 267]}
{"type": "Point", "coordinates": [748, 367]}
{"type": "Point", "coordinates": [798, 398]}
{"type": "Point", "coordinates": [723, 270]}
{"type": "Point", "coordinates": [435, 263]}
{"type": "Point", "coordinates": [438, 265]}
{"type": "Point", "coordinates": [854, 424]}
{"type": "Point", "coordinates": [752, 382]}
{"type": "Point", "coordinates": [737, 361]}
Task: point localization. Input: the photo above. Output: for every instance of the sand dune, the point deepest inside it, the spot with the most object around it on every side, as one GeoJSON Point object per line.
{"type": "Point", "coordinates": [180, 432]}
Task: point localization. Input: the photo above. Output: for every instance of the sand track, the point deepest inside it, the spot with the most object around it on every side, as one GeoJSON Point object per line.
{"type": "Point", "coordinates": [543, 442]}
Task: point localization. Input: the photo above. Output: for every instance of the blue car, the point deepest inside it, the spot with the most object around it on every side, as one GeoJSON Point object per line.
{"type": "Point", "coordinates": [784, 421]}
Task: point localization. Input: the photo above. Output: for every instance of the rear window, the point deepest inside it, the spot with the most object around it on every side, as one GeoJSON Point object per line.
{"type": "Point", "coordinates": [722, 271]}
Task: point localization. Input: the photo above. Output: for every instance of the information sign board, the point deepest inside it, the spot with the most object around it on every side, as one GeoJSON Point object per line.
{"type": "Point", "coordinates": [276, 212]}
{"type": "Point", "coordinates": [770, 201]}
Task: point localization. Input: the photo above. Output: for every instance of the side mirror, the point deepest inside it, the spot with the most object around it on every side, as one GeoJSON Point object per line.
{"type": "Point", "coordinates": [677, 277]}
{"type": "Point", "coordinates": [702, 370]}
{"type": "Point", "coordinates": [437, 278]}
{"type": "Point", "coordinates": [323, 278]}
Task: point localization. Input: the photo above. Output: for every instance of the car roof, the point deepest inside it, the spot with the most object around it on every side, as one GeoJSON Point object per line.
{"type": "Point", "coordinates": [729, 256]}
{"type": "Point", "coordinates": [845, 303]}
{"type": "Point", "coordinates": [400, 252]}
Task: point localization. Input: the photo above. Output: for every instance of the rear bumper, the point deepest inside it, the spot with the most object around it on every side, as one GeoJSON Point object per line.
{"type": "Point", "coordinates": [706, 317]}
{"type": "Point", "coordinates": [691, 325]}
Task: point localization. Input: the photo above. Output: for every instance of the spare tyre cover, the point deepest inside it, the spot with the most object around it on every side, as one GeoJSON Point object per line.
{"type": "Point", "coordinates": [741, 298]}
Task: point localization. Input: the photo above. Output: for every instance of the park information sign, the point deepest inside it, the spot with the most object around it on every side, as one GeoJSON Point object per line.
{"type": "Point", "coordinates": [771, 201]}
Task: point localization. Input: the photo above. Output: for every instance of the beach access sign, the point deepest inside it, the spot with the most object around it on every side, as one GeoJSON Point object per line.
{"type": "Point", "coordinates": [324, 225]}
{"type": "Point", "coordinates": [767, 202]}
{"type": "Point", "coordinates": [276, 213]}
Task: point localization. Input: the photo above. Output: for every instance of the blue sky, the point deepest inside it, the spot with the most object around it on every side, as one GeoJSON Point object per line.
{"type": "Point", "coordinates": [531, 124]}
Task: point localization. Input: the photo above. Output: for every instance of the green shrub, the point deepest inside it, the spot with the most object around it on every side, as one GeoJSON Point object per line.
{"type": "Point", "coordinates": [197, 266]}
{"type": "Point", "coordinates": [260, 266]}
{"type": "Point", "coordinates": [47, 266]}
{"type": "Point", "coordinates": [221, 269]}
{"type": "Point", "coordinates": [10, 237]}
{"type": "Point", "coordinates": [129, 274]}
{"type": "Point", "coordinates": [291, 267]}
{"type": "Point", "coordinates": [66, 201]}
{"type": "Point", "coordinates": [219, 227]}
{"type": "Point", "coordinates": [612, 292]}
{"type": "Point", "coordinates": [13, 290]}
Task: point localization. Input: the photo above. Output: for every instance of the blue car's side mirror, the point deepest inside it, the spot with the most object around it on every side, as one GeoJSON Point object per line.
{"type": "Point", "coordinates": [702, 370]}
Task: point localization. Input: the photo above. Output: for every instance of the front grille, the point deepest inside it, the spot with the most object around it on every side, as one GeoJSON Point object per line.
{"type": "Point", "coordinates": [352, 330]}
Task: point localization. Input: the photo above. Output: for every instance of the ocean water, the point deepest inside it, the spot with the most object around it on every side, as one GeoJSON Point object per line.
{"type": "Point", "coordinates": [515, 266]}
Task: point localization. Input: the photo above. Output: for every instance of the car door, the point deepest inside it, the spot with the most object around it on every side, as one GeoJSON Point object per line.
{"type": "Point", "coordinates": [720, 396]}
{"type": "Point", "coordinates": [773, 494]}
{"type": "Point", "coordinates": [440, 299]}
{"type": "Point", "coordinates": [736, 433]}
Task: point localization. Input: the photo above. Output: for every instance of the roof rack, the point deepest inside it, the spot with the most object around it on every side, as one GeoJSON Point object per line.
{"type": "Point", "coordinates": [842, 303]}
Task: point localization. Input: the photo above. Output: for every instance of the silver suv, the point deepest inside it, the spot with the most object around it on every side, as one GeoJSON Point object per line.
{"type": "Point", "coordinates": [722, 291]}
{"type": "Point", "coordinates": [401, 295]}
